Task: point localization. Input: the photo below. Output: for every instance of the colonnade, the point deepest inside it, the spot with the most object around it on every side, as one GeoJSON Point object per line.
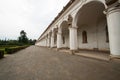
{"type": "Point", "coordinates": [113, 22]}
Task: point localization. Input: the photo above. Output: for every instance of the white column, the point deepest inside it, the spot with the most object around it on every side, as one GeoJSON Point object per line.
{"type": "Point", "coordinates": [52, 40]}
{"type": "Point", "coordinates": [59, 40]}
{"type": "Point", "coordinates": [73, 38]}
{"type": "Point", "coordinates": [45, 42]}
{"type": "Point", "coordinates": [113, 20]}
{"type": "Point", "coordinates": [48, 40]}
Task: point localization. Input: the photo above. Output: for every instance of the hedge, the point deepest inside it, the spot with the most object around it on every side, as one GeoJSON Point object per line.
{"type": "Point", "coordinates": [11, 50]}
{"type": "Point", "coordinates": [1, 54]}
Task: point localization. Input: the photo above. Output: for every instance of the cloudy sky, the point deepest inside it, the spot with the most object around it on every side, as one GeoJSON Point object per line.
{"type": "Point", "coordinates": [33, 16]}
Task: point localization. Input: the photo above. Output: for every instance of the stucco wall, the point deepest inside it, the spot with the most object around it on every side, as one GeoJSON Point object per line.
{"type": "Point", "coordinates": [66, 45]}
{"type": "Point", "coordinates": [96, 36]}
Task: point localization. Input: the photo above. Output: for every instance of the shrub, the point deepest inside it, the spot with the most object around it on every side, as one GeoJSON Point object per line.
{"type": "Point", "coordinates": [1, 54]}
{"type": "Point", "coordinates": [11, 50]}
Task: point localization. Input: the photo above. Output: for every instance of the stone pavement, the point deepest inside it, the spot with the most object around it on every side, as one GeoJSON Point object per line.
{"type": "Point", "coordinates": [37, 63]}
{"type": "Point", "coordinates": [95, 54]}
{"type": "Point", "coordinates": [90, 54]}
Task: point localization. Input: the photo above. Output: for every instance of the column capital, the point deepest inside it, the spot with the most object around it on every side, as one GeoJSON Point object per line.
{"type": "Point", "coordinates": [115, 8]}
{"type": "Point", "coordinates": [70, 19]}
{"type": "Point", "coordinates": [59, 33]}
{"type": "Point", "coordinates": [70, 27]}
{"type": "Point", "coordinates": [109, 2]}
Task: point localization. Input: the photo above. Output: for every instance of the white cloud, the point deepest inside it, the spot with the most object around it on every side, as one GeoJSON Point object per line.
{"type": "Point", "coordinates": [33, 16]}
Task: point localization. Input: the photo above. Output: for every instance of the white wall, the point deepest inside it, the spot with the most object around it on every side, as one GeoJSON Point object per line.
{"type": "Point", "coordinates": [66, 45]}
{"type": "Point", "coordinates": [102, 44]}
{"type": "Point", "coordinates": [42, 43]}
{"type": "Point", "coordinates": [96, 36]}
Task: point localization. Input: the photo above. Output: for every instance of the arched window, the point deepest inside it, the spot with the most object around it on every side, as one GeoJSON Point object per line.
{"type": "Point", "coordinates": [107, 36]}
{"type": "Point", "coordinates": [63, 39]}
{"type": "Point", "coordinates": [84, 36]}
{"type": "Point", "coordinates": [55, 39]}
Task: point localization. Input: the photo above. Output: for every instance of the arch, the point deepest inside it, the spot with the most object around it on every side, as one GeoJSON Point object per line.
{"type": "Point", "coordinates": [91, 14]}
{"type": "Point", "coordinates": [55, 30]}
{"type": "Point", "coordinates": [92, 2]}
{"type": "Point", "coordinates": [65, 34]}
{"type": "Point", "coordinates": [64, 24]}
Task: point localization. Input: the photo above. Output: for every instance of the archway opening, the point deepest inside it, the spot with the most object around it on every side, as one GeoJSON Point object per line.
{"type": "Point", "coordinates": [65, 34]}
{"type": "Point", "coordinates": [50, 35]}
{"type": "Point", "coordinates": [84, 37]}
{"type": "Point", "coordinates": [55, 31]}
{"type": "Point", "coordinates": [91, 24]}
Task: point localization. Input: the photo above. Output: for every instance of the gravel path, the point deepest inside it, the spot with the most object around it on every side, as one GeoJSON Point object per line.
{"type": "Point", "coordinates": [37, 63]}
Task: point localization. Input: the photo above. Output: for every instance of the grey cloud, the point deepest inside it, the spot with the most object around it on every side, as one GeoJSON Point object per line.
{"type": "Point", "coordinates": [33, 16]}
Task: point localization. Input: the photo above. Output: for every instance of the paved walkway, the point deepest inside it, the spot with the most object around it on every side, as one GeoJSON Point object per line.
{"type": "Point", "coordinates": [95, 54]}
{"type": "Point", "coordinates": [36, 63]}
{"type": "Point", "coordinates": [90, 54]}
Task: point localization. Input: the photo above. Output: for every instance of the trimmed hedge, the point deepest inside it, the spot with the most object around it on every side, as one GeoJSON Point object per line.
{"type": "Point", "coordinates": [1, 54]}
{"type": "Point", "coordinates": [11, 50]}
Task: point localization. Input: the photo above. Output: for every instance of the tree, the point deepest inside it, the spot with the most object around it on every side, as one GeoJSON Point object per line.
{"type": "Point", "coordinates": [23, 38]}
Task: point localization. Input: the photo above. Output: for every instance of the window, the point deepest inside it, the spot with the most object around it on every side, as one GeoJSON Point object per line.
{"type": "Point", "coordinates": [63, 39]}
{"type": "Point", "coordinates": [55, 39]}
{"type": "Point", "coordinates": [107, 36]}
{"type": "Point", "coordinates": [84, 36]}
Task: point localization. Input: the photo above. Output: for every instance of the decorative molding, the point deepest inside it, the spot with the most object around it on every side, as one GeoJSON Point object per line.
{"type": "Point", "coordinates": [70, 19]}
{"type": "Point", "coordinates": [110, 2]}
{"type": "Point", "coordinates": [113, 9]}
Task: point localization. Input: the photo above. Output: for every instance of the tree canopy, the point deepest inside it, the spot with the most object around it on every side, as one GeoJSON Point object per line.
{"type": "Point", "coordinates": [22, 40]}
{"type": "Point", "coordinates": [23, 37]}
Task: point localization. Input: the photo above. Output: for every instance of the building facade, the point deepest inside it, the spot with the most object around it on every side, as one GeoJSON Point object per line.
{"type": "Point", "coordinates": [85, 24]}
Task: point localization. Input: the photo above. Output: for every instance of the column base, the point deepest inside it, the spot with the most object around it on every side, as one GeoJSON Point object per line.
{"type": "Point", "coordinates": [114, 57]}
{"type": "Point", "coordinates": [59, 49]}
{"type": "Point", "coordinates": [73, 52]}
